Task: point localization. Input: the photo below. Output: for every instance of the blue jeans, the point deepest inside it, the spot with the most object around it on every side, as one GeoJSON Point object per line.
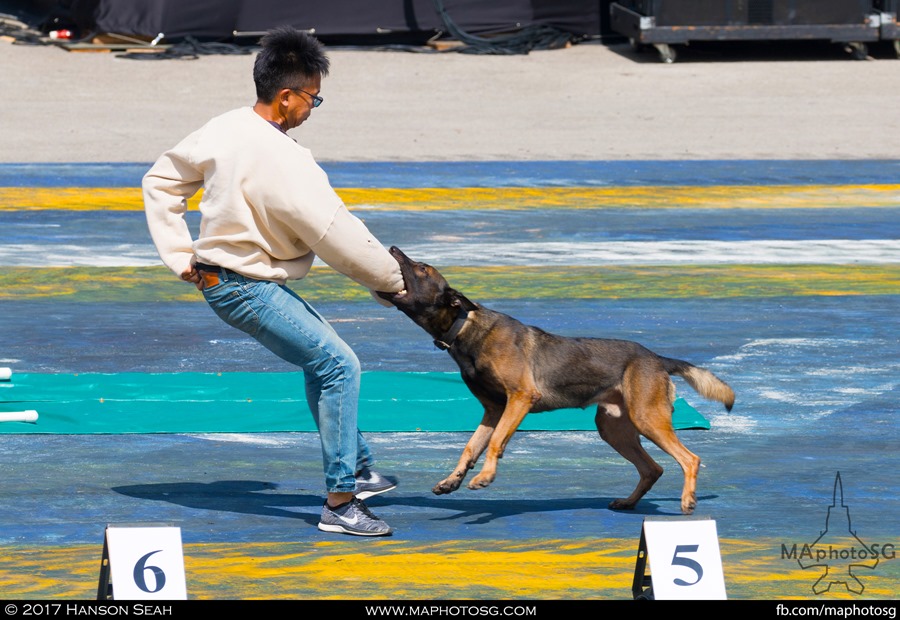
{"type": "Point", "coordinates": [292, 329]}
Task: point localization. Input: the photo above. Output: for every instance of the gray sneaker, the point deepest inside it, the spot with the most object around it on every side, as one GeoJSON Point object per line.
{"type": "Point", "coordinates": [370, 483]}
{"type": "Point", "coordinates": [354, 518]}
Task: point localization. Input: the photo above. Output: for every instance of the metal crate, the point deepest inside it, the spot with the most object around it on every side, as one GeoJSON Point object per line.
{"type": "Point", "coordinates": [665, 23]}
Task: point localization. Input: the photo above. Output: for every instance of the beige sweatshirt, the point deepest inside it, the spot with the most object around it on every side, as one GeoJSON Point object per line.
{"type": "Point", "coordinates": [267, 208]}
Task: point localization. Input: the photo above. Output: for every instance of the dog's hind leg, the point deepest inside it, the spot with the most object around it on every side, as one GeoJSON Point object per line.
{"type": "Point", "coordinates": [667, 440]}
{"type": "Point", "coordinates": [476, 445]}
{"type": "Point", "coordinates": [617, 430]}
{"type": "Point", "coordinates": [652, 416]}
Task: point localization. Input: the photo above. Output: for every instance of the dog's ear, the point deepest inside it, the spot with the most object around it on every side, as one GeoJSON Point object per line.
{"type": "Point", "coordinates": [458, 300]}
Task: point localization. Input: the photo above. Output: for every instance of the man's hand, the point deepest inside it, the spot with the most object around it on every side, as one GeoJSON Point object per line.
{"type": "Point", "coordinates": [192, 275]}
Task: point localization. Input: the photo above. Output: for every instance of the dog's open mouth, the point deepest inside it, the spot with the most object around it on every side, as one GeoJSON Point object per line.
{"type": "Point", "coordinates": [402, 292]}
{"type": "Point", "coordinates": [402, 259]}
{"type": "Point", "coordinates": [393, 297]}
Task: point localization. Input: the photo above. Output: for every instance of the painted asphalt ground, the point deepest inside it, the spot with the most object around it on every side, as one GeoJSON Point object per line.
{"type": "Point", "coordinates": [815, 372]}
{"type": "Point", "coordinates": [815, 378]}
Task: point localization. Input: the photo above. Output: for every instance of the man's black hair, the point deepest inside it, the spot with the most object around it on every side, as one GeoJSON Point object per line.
{"type": "Point", "coordinates": [289, 59]}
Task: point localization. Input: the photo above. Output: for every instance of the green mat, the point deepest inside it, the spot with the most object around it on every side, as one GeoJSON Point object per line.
{"type": "Point", "coordinates": [257, 402]}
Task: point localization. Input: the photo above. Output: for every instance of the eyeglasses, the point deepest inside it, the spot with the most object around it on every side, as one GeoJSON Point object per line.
{"type": "Point", "coordinates": [316, 100]}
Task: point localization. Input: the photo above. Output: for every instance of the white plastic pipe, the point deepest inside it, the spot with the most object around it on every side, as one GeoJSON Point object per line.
{"type": "Point", "coordinates": [19, 416]}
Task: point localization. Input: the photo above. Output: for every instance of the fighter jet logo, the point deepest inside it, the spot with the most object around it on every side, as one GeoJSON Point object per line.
{"type": "Point", "coordinates": [838, 551]}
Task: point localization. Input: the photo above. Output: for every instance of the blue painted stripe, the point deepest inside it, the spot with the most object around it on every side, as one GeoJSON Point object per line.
{"type": "Point", "coordinates": [506, 173]}
{"type": "Point", "coordinates": [598, 237]}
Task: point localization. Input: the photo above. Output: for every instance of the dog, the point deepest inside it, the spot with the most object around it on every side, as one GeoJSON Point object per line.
{"type": "Point", "coordinates": [515, 369]}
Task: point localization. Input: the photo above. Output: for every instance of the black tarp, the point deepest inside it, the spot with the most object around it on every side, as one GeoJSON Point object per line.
{"type": "Point", "coordinates": [336, 20]}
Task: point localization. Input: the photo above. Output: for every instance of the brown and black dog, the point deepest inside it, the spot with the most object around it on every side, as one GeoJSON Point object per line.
{"type": "Point", "coordinates": [515, 369]}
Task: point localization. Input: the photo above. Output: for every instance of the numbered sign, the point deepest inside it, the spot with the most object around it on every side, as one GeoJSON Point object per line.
{"type": "Point", "coordinates": [685, 563]}
{"type": "Point", "coordinates": [146, 563]}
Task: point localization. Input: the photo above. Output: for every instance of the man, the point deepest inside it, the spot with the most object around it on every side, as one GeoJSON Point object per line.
{"type": "Point", "coordinates": [267, 211]}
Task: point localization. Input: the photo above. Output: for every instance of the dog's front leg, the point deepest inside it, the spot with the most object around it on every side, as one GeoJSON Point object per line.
{"type": "Point", "coordinates": [476, 445]}
{"type": "Point", "coordinates": [517, 407]}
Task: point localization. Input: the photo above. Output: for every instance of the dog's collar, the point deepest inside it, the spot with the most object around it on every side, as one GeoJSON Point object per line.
{"type": "Point", "coordinates": [446, 341]}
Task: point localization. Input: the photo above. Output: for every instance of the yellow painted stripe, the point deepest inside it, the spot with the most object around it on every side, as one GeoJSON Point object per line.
{"type": "Point", "coordinates": [546, 569]}
{"type": "Point", "coordinates": [144, 284]}
{"type": "Point", "coordinates": [509, 198]}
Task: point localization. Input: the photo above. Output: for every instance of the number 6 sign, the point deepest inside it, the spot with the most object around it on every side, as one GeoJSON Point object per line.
{"type": "Point", "coordinates": [143, 563]}
{"type": "Point", "coordinates": [684, 559]}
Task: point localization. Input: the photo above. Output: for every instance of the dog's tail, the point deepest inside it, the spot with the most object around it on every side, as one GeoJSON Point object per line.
{"type": "Point", "coordinates": [705, 382]}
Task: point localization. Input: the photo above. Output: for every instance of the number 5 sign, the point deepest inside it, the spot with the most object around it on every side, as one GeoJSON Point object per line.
{"type": "Point", "coordinates": [141, 563]}
{"type": "Point", "coordinates": [684, 558]}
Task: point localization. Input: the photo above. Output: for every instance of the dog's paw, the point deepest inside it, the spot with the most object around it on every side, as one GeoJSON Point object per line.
{"type": "Point", "coordinates": [480, 481]}
{"type": "Point", "coordinates": [444, 487]}
{"type": "Point", "coordinates": [620, 504]}
{"type": "Point", "coordinates": [688, 505]}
